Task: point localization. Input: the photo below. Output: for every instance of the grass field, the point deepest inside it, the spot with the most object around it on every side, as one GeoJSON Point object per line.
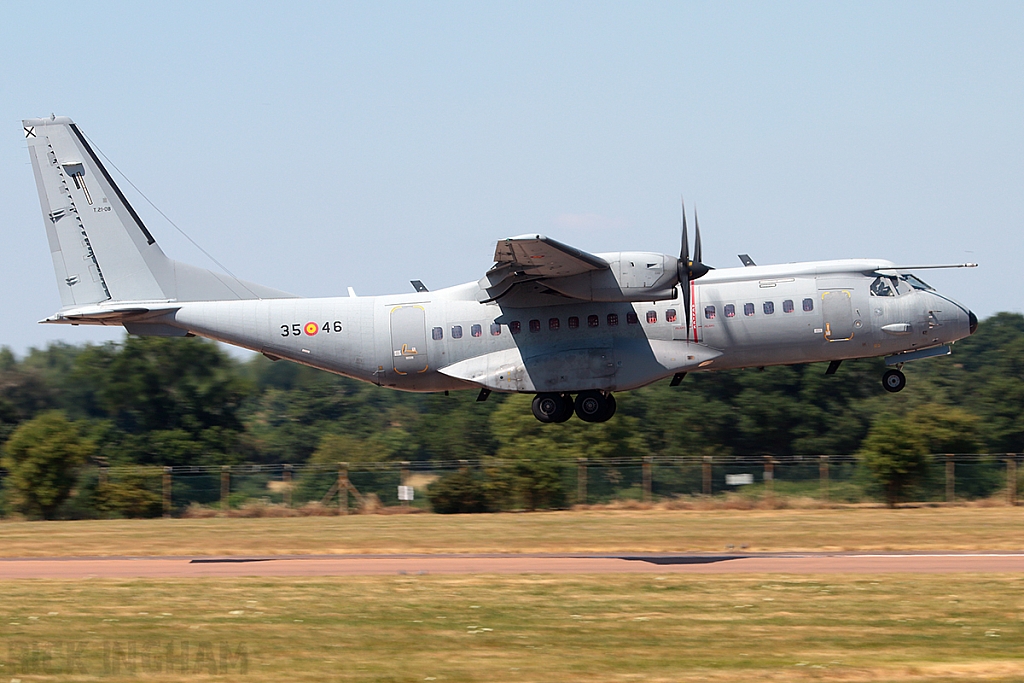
{"type": "Point", "coordinates": [529, 628]}
{"type": "Point", "coordinates": [600, 531]}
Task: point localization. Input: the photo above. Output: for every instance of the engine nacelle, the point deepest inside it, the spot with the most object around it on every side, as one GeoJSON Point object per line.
{"type": "Point", "coordinates": [631, 276]}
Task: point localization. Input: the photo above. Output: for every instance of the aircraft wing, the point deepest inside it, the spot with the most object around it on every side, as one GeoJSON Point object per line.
{"type": "Point", "coordinates": [533, 258]}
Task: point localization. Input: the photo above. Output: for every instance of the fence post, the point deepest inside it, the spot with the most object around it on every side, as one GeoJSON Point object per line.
{"type": "Point", "coordinates": [769, 477]}
{"type": "Point", "coordinates": [167, 492]}
{"type": "Point", "coordinates": [343, 487]}
{"type": "Point", "coordinates": [225, 486]}
{"type": "Point", "coordinates": [707, 475]}
{"type": "Point", "coordinates": [823, 476]}
{"type": "Point", "coordinates": [287, 475]}
{"type": "Point", "coordinates": [581, 481]}
{"type": "Point", "coordinates": [1011, 478]}
{"type": "Point", "coordinates": [645, 471]}
{"type": "Point", "coordinates": [404, 477]}
{"type": "Point", "coordinates": [950, 479]}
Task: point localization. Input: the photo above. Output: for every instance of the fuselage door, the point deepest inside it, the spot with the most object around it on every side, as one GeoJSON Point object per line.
{"type": "Point", "coordinates": [837, 311]}
{"type": "Point", "coordinates": [409, 339]}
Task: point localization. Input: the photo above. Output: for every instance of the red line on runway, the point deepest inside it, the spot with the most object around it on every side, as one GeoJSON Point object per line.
{"type": "Point", "coordinates": [354, 565]}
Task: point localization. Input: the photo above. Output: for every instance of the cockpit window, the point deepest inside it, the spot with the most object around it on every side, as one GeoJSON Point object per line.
{"type": "Point", "coordinates": [882, 286]}
{"type": "Point", "coordinates": [915, 282]}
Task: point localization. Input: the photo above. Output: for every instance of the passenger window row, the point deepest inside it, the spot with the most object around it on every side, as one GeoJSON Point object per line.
{"type": "Point", "coordinates": [555, 324]}
{"type": "Point", "coordinates": [437, 333]}
{"type": "Point", "coordinates": [611, 320]}
{"type": "Point", "coordinates": [729, 310]}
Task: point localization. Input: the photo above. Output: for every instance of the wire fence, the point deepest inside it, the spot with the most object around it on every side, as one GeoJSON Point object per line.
{"type": "Point", "coordinates": [141, 491]}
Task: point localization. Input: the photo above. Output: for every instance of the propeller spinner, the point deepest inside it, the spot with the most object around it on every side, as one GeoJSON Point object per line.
{"type": "Point", "coordinates": [690, 269]}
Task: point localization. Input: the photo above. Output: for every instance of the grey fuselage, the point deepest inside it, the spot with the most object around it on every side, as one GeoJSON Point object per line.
{"type": "Point", "coordinates": [740, 317]}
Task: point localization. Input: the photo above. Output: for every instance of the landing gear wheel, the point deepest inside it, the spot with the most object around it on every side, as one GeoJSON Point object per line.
{"type": "Point", "coordinates": [894, 380]}
{"type": "Point", "coordinates": [593, 406]}
{"type": "Point", "coordinates": [609, 408]}
{"type": "Point", "coordinates": [552, 407]}
{"type": "Point", "coordinates": [567, 408]}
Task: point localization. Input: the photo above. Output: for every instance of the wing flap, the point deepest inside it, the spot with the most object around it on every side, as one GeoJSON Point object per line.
{"type": "Point", "coordinates": [528, 258]}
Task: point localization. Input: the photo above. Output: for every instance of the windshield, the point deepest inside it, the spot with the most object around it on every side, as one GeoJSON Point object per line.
{"type": "Point", "coordinates": [915, 282]}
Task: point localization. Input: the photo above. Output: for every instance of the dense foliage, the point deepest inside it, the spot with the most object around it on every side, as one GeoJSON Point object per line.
{"type": "Point", "coordinates": [156, 402]}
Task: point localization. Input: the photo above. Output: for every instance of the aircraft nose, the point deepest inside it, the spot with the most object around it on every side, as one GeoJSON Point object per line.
{"type": "Point", "coordinates": [972, 320]}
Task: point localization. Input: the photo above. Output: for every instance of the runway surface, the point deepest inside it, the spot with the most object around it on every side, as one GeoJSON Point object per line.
{"type": "Point", "coordinates": [368, 565]}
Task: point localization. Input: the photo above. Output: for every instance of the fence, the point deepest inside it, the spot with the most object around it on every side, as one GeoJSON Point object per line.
{"type": "Point", "coordinates": [149, 491]}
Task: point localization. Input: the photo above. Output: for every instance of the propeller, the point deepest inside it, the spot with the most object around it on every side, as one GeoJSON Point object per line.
{"type": "Point", "coordinates": [690, 269]}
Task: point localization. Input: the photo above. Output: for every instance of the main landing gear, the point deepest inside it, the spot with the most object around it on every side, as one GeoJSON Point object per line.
{"type": "Point", "coordinates": [894, 380]}
{"type": "Point", "coordinates": [589, 406]}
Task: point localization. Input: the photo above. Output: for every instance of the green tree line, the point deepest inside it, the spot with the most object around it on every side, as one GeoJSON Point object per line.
{"type": "Point", "coordinates": [158, 402]}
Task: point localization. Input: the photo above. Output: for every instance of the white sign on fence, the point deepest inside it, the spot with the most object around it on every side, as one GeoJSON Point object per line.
{"type": "Point", "coordinates": [739, 479]}
{"type": "Point", "coordinates": [405, 493]}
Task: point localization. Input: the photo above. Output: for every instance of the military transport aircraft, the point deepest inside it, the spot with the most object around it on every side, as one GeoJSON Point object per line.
{"type": "Point", "coordinates": [546, 319]}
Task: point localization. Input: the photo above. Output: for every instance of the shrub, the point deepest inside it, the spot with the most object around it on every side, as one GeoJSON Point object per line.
{"type": "Point", "coordinates": [463, 491]}
{"type": "Point", "coordinates": [42, 458]}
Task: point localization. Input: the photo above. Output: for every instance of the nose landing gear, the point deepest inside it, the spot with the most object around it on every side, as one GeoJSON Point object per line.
{"type": "Point", "coordinates": [894, 380]}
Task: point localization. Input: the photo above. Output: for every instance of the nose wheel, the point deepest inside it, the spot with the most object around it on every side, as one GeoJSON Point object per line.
{"type": "Point", "coordinates": [894, 380]}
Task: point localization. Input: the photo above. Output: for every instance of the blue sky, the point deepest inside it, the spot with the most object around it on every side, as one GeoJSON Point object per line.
{"type": "Point", "coordinates": [312, 147]}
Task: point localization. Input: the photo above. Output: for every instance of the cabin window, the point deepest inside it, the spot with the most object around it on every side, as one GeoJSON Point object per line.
{"type": "Point", "coordinates": [456, 331]}
{"type": "Point", "coordinates": [476, 331]}
{"type": "Point", "coordinates": [709, 312]}
{"type": "Point", "coordinates": [748, 309]}
{"type": "Point", "coordinates": [769, 307]}
{"type": "Point", "coordinates": [881, 287]}
{"type": "Point", "coordinates": [808, 305]}
{"type": "Point", "coordinates": [437, 334]}
{"type": "Point", "coordinates": [495, 329]}
{"type": "Point", "coordinates": [574, 322]}
{"type": "Point", "coordinates": [613, 319]}
{"type": "Point", "coordinates": [515, 327]}
{"type": "Point", "coordinates": [652, 317]}
{"type": "Point", "coordinates": [730, 310]}
{"type": "Point", "coordinates": [787, 306]}
{"type": "Point", "coordinates": [670, 315]}
{"type": "Point", "coordinates": [534, 326]}
{"type": "Point", "coordinates": [631, 318]}
{"type": "Point", "coordinates": [593, 321]}
{"type": "Point", "coordinates": [553, 324]}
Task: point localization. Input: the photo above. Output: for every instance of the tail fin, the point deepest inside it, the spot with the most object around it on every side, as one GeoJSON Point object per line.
{"type": "Point", "coordinates": [102, 251]}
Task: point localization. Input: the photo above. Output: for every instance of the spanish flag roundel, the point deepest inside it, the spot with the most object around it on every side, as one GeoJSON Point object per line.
{"type": "Point", "coordinates": [312, 328]}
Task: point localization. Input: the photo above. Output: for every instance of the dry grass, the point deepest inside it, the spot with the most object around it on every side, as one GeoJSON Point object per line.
{"type": "Point", "coordinates": [597, 531]}
{"type": "Point", "coordinates": [524, 629]}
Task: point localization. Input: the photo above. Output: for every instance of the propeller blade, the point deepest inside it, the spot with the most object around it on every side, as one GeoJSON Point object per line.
{"type": "Point", "coordinates": [686, 304]}
{"type": "Point", "coordinates": [684, 250]}
{"type": "Point", "coordinates": [696, 247]}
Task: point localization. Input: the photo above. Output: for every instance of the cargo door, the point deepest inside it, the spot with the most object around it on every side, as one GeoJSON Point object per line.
{"type": "Point", "coordinates": [837, 311]}
{"type": "Point", "coordinates": [409, 339]}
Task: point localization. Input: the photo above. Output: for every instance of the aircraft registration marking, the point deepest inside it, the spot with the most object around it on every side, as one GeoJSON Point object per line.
{"type": "Point", "coordinates": [310, 329]}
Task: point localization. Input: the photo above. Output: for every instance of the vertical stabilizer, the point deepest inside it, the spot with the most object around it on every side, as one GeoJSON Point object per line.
{"type": "Point", "coordinates": [102, 251]}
